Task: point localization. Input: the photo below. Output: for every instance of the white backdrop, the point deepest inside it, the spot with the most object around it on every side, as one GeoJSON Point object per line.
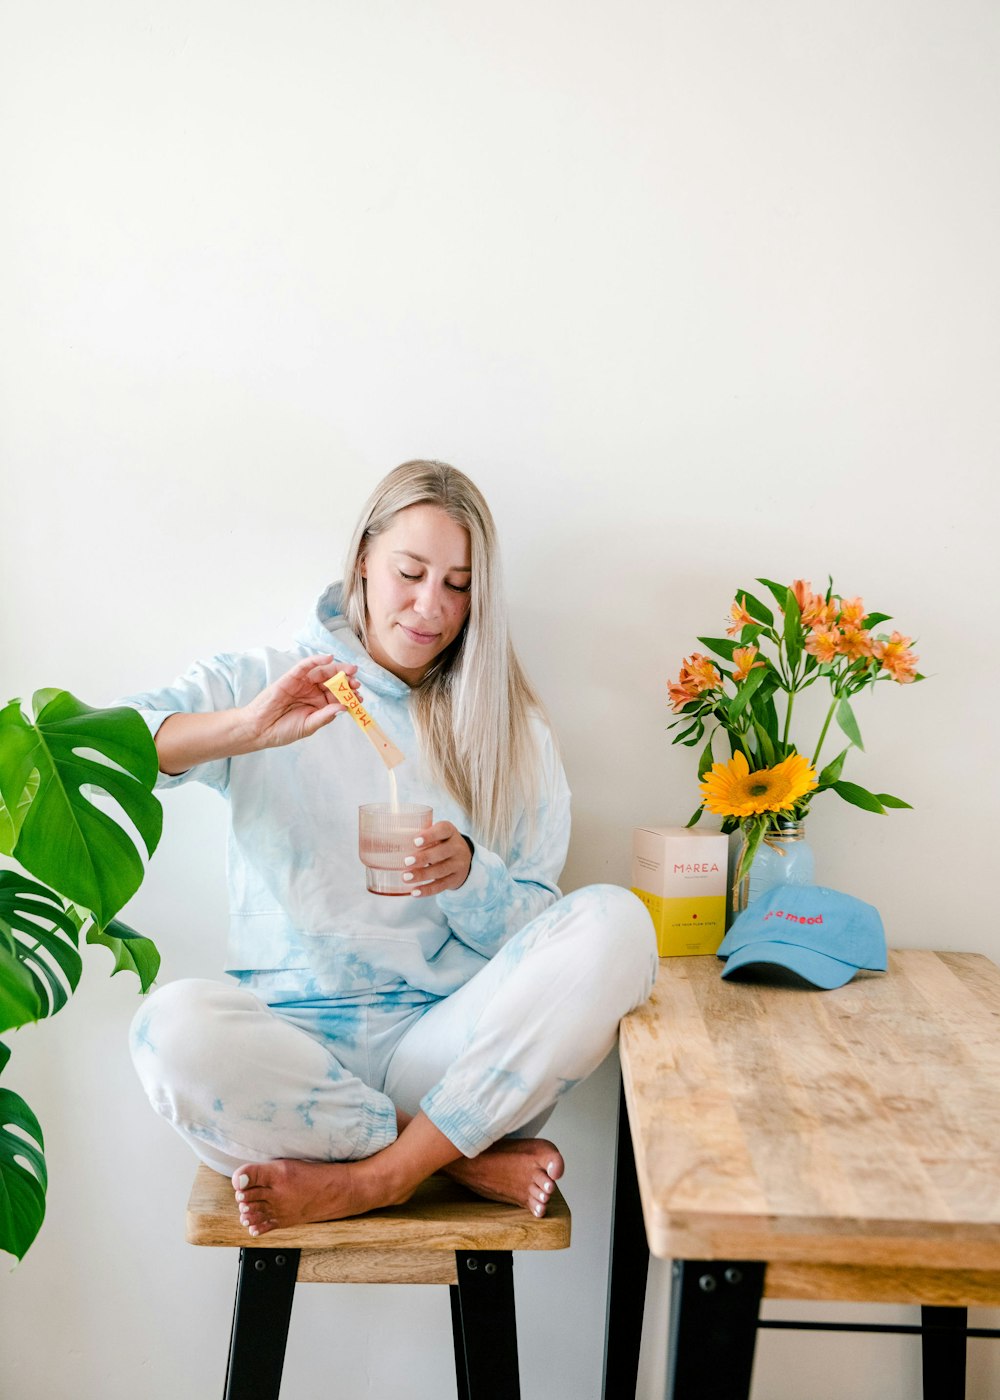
{"type": "Point", "coordinates": [696, 292]}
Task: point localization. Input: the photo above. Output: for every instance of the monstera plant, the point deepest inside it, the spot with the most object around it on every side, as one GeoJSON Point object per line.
{"type": "Point", "coordinates": [66, 776]}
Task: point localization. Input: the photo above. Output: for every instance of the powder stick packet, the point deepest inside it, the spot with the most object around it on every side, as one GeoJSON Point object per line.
{"type": "Point", "coordinates": [386, 749]}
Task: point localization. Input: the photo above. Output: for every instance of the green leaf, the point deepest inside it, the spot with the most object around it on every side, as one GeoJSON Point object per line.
{"type": "Point", "coordinates": [765, 711]}
{"type": "Point", "coordinates": [792, 629]}
{"type": "Point", "coordinates": [745, 693]}
{"type": "Point", "coordinates": [752, 830]}
{"type": "Point", "coordinates": [4, 1056]}
{"type": "Point", "coordinates": [23, 1176]}
{"type": "Point", "coordinates": [858, 796]}
{"type": "Point", "coordinates": [765, 744]}
{"type": "Point", "coordinates": [65, 839]}
{"type": "Point", "coordinates": [873, 620]}
{"type": "Point", "coordinates": [755, 607]}
{"type": "Point", "coordinates": [39, 963]}
{"type": "Point", "coordinates": [887, 800]}
{"type": "Point", "coordinates": [16, 789]}
{"type": "Point", "coordinates": [722, 646]}
{"type": "Point", "coordinates": [133, 951]}
{"type": "Point", "coordinates": [693, 821]}
{"type": "Point", "coordinates": [831, 773]}
{"type": "Point", "coordinates": [847, 722]}
{"type": "Point", "coordinates": [778, 589]}
{"type": "Point", "coordinates": [706, 760]}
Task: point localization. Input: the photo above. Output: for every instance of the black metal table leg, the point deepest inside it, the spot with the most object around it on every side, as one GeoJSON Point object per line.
{"type": "Point", "coordinates": [485, 1326]}
{"type": "Point", "coordinates": [265, 1289]}
{"type": "Point", "coordinates": [461, 1376]}
{"type": "Point", "coordinates": [713, 1329]}
{"type": "Point", "coordinates": [627, 1273]}
{"type": "Point", "coordinates": [943, 1344]}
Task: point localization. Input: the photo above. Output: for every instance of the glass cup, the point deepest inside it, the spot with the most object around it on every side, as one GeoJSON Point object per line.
{"type": "Point", "coordinates": [385, 839]}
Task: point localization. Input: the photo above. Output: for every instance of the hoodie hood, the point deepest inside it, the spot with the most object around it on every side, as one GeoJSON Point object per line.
{"type": "Point", "coordinates": [329, 631]}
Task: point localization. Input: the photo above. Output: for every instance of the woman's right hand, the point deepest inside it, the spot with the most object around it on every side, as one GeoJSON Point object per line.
{"type": "Point", "coordinates": [290, 708]}
{"type": "Point", "coordinates": [297, 704]}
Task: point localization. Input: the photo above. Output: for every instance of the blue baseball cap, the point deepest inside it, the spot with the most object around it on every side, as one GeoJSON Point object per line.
{"type": "Point", "coordinates": [821, 935]}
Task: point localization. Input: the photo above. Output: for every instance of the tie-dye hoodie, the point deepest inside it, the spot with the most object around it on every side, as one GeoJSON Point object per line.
{"type": "Point", "coordinates": [302, 923]}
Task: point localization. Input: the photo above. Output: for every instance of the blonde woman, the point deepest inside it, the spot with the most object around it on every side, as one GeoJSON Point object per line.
{"type": "Point", "coordinates": [367, 1042]}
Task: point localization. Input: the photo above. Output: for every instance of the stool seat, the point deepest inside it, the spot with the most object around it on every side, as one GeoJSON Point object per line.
{"type": "Point", "coordinates": [443, 1234]}
{"type": "Point", "coordinates": [411, 1243]}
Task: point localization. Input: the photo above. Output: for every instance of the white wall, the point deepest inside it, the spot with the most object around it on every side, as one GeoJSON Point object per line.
{"type": "Point", "coordinates": [696, 292]}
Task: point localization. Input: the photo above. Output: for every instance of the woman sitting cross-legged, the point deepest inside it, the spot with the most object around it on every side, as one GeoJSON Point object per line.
{"type": "Point", "coordinates": [365, 1042]}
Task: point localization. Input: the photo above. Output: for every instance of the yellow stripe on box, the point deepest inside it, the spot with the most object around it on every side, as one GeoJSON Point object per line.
{"type": "Point", "coordinates": [686, 926]}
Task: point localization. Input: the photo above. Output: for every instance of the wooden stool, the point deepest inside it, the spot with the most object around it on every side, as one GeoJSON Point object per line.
{"type": "Point", "coordinates": [443, 1234]}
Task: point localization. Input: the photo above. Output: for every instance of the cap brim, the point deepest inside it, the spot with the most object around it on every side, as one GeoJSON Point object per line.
{"type": "Point", "coordinates": [817, 968]}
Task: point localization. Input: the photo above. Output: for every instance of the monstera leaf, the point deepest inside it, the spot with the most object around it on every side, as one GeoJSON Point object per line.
{"type": "Point", "coordinates": [48, 770]}
{"type": "Point", "coordinates": [39, 963]}
{"type": "Point", "coordinates": [23, 1177]}
{"type": "Point", "coordinates": [62, 776]}
{"type": "Point", "coordinates": [133, 951]}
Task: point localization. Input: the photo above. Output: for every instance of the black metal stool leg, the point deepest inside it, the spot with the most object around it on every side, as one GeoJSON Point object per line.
{"type": "Point", "coordinates": [265, 1289]}
{"type": "Point", "coordinates": [487, 1326]}
{"type": "Point", "coordinates": [943, 1343]}
{"type": "Point", "coordinates": [713, 1329]}
{"type": "Point", "coordinates": [627, 1274]}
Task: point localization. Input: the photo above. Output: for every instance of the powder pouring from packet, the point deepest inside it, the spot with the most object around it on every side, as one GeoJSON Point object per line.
{"type": "Point", "coordinates": [386, 749]}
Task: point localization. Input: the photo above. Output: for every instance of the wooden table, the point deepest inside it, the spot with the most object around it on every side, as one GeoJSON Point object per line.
{"type": "Point", "coordinates": [791, 1143]}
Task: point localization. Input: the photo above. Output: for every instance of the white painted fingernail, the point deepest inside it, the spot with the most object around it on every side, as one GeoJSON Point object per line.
{"type": "Point", "coordinates": [254, 1232]}
{"type": "Point", "coordinates": [410, 860]}
{"type": "Point", "coordinates": [240, 1196]}
{"type": "Point", "coordinates": [551, 1168]}
{"type": "Point", "coordinates": [407, 874]}
{"type": "Point", "coordinates": [418, 840]}
{"type": "Point", "coordinates": [415, 894]}
{"type": "Point", "coordinates": [243, 1182]}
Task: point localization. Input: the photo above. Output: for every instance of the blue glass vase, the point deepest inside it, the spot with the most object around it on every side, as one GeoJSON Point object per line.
{"type": "Point", "coordinates": [784, 857]}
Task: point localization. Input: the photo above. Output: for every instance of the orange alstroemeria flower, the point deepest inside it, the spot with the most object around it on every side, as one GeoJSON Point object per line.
{"type": "Point", "coordinates": [823, 644]}
{"type": "Point", "coordinates": [679, 696]}
{"type": "Point", "coordinates": [894, 657]}
{"type": "Point", "coordinates": [852, 612]}
{"type": "Point", "coordinates": [738, 619]}
{"type": "Point", "coordinates": [745, 659]}
{"type": "Point", "coordinates": [697, 675]}
{"type": "Point", "coordinates": [815, 610]}
{"type": "Point", "coordinates": [855, 643]}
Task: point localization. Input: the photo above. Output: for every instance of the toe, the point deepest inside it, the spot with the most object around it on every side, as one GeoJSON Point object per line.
{"type": "Point", "coordinates": [253, 1194]}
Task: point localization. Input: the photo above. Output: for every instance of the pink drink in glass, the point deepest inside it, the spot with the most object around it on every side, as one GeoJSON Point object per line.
{"type": "Point", "coordinates": [385, 839]}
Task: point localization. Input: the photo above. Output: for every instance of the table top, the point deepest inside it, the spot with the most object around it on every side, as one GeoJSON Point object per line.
{"type": "Point", "coordinates": [859, 1126]}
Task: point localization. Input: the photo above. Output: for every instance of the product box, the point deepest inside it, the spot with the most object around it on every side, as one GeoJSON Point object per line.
{"type": "Point", "coordinates": [679, 873]}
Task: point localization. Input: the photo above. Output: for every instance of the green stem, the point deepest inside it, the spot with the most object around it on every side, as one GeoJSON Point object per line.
{"type": "Point", "coordinates": [788, 716]}
{"type": "Point", "coordinates": [826, 726]}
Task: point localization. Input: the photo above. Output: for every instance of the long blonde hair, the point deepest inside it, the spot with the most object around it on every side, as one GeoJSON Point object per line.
{"type": "Point", "coordinates": [472, 711]}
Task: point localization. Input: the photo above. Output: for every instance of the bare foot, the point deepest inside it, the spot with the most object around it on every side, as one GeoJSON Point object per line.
{"type": "Point", "coordinates": [273, 1195]}
{"type": "Point", "coordinates": [517, 1171]}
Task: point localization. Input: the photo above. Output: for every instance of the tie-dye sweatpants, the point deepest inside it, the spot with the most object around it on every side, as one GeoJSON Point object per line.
{"type": "Point", "coordinates": [245, 1080]}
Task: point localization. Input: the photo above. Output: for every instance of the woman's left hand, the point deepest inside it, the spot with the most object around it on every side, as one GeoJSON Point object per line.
{"type": "Point", "coordinates": [441, 860]}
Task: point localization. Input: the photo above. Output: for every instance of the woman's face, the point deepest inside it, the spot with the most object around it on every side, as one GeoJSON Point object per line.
{"type": "Point", "coordinates": [418, 574]}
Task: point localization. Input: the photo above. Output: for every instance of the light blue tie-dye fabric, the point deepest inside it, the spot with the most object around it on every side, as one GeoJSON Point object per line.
{"type": "Point", "coordinates": [302, 923]}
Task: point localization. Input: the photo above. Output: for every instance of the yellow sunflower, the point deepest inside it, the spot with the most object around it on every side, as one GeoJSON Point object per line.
{"type": "Point", "coordinates": [731, 790]}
